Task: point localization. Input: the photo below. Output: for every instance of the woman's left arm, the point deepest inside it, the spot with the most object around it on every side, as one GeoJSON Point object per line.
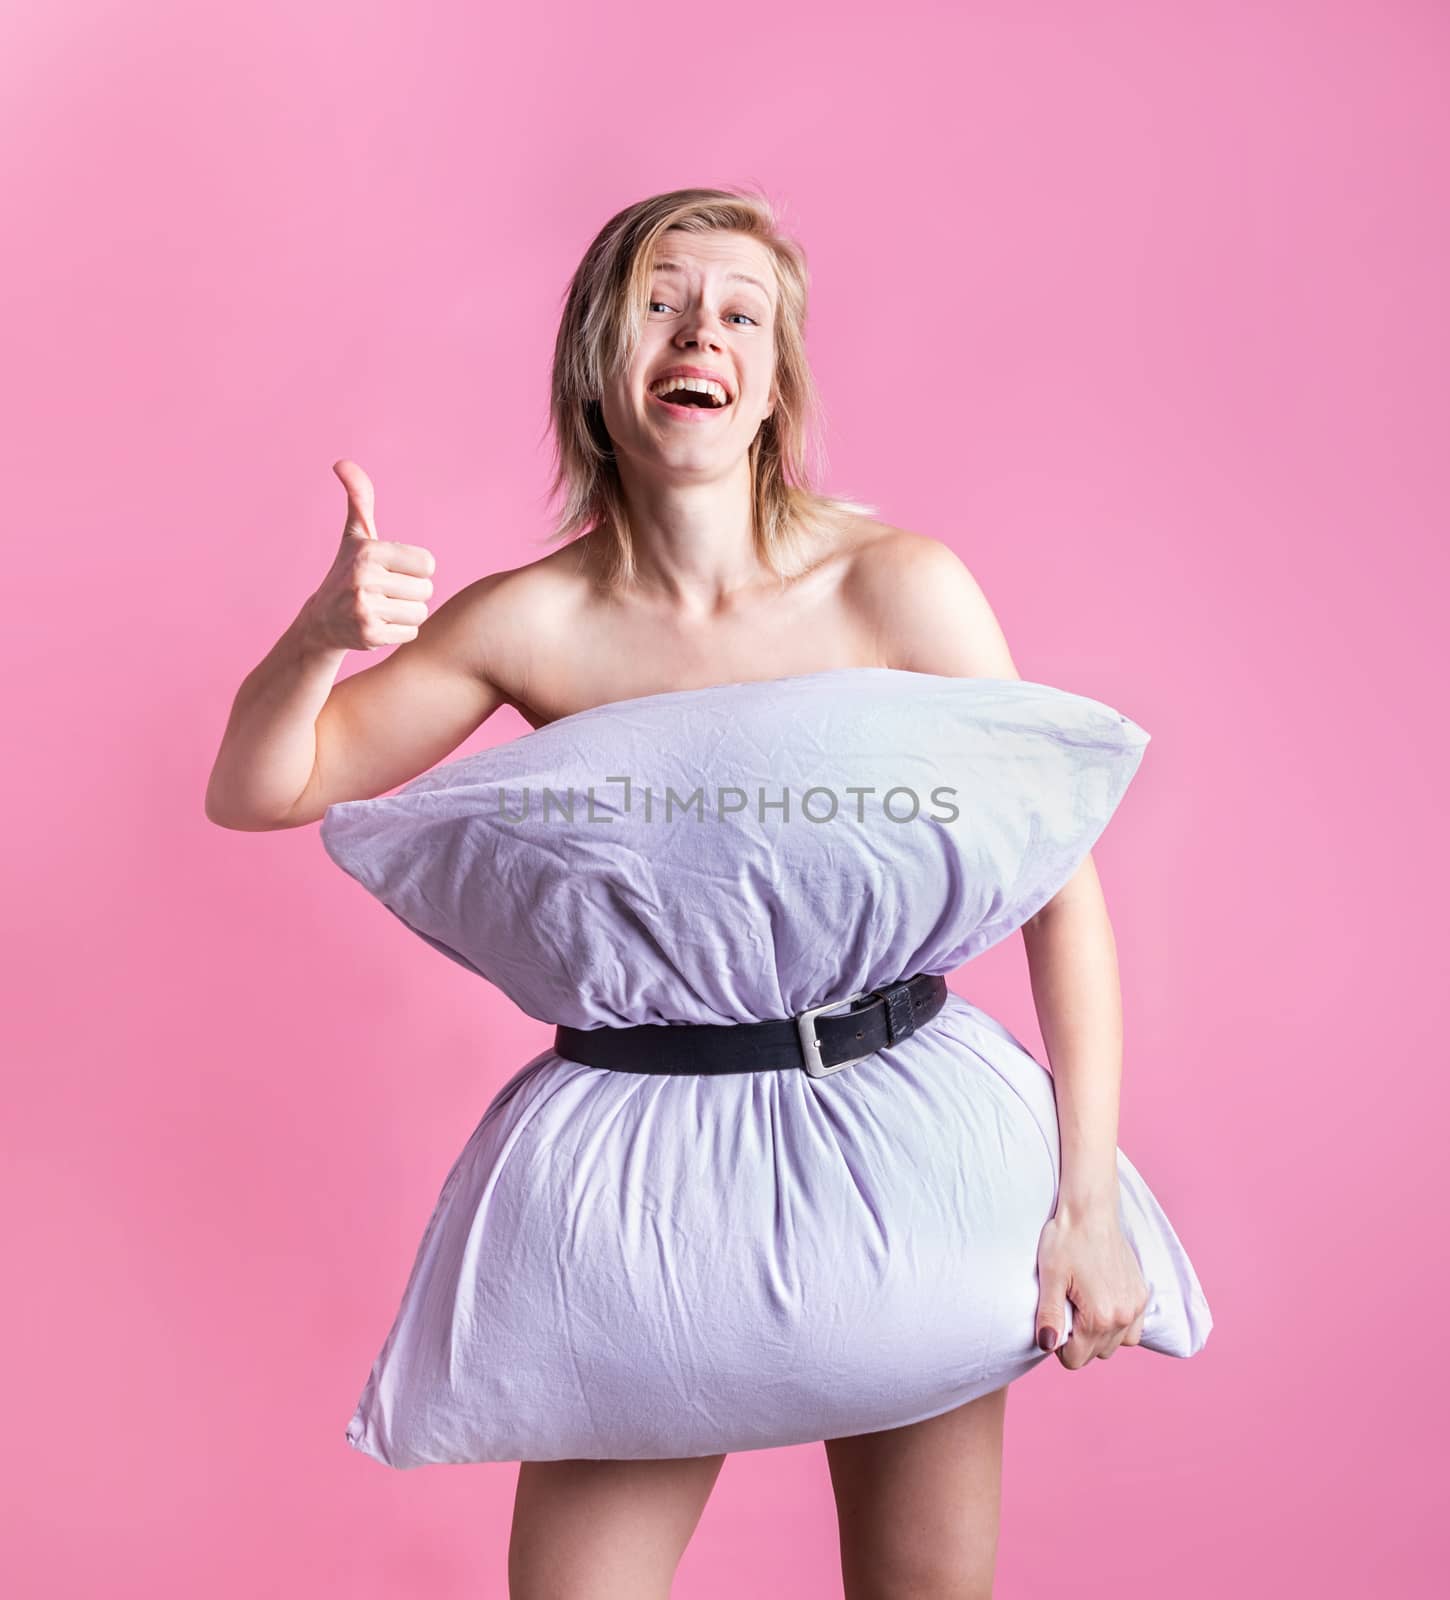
{"type": "Point", "coordinates": [1083, 1255]}
{"type": "Point", "coordinates": [929, 615]}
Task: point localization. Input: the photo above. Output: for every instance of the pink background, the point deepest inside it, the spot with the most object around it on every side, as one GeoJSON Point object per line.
{"type": "Point", "coordinates": [1139, 307]}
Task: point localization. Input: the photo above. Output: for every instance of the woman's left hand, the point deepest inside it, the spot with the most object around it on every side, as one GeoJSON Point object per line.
{"type": "Point", "coordinates": [1085, 1258]}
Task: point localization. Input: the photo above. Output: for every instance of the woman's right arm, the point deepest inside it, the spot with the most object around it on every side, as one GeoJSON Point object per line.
{"type": "Point", "coordinates": [296, 741]}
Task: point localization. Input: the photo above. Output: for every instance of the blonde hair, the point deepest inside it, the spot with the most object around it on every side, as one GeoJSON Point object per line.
{"type": "Point", "coordinates": [599, 332]}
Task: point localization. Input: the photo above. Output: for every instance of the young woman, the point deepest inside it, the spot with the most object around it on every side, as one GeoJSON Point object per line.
{"type": "Point", "coordinates": [698, 555]}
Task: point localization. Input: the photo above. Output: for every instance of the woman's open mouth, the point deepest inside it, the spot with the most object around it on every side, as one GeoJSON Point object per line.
{"type": "Point", "coordinates": [695, 403]}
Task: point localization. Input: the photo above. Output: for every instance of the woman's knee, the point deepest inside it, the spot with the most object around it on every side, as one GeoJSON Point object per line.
{"type": "Point", "coordinates": [919, 1579]}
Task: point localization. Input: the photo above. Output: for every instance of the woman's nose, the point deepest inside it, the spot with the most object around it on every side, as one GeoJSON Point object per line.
{"type": "Point", "coordinates": [699, 330]}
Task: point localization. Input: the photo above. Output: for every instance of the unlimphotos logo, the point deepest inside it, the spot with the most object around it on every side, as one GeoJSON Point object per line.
{"type": "Point", "coordinates": [643, 802]}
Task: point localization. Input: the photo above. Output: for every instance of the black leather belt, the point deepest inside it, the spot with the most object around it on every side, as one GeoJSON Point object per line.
{"type": "Point", "coordinates": [815, 1040]}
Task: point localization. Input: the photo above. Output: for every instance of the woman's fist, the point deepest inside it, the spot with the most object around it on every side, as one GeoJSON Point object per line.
{"type": "Point", "coordinates": [377, 590]}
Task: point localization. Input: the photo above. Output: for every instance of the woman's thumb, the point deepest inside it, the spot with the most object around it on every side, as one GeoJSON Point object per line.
{"type": "Point", "coordinates": [359, 498]}
{"type": "Point", "coordinates": [1050, 1318]}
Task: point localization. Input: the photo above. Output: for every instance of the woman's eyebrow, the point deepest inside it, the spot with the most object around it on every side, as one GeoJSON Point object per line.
{"type": "Point", "coordinates": [741, 277]}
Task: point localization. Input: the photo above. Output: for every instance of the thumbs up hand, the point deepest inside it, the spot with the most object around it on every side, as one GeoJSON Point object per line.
{"type": "Point", "coordinates": [376, 591]}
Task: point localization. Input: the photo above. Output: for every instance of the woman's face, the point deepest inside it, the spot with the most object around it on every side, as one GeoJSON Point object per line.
{"type": "Point", "coordinates": [711, 308]}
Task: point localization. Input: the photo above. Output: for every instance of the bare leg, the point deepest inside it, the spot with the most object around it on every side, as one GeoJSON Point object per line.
{"type": "Point", "coordinates": [604, 1530]}
{"type": "Point", "coordinates": [918, 1508]}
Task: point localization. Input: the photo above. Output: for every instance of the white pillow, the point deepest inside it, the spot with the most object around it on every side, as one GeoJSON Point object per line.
{"type": "Point", "coordinates": [961, 806]}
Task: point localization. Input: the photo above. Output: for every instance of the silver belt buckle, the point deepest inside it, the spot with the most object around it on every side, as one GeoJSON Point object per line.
{"type": "Point", "coordinates": [805, 1024]}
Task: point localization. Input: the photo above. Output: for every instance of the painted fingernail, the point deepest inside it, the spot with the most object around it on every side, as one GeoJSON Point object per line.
{"type": "Point", "coordinates": [1047, 1338]}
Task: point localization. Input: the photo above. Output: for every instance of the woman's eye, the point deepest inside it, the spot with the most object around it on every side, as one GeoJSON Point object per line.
{"type": "Point", "coordinates": [663, 306]}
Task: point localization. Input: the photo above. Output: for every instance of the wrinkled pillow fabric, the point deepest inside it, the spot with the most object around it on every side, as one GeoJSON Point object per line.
{"type": "Point", "coordinates": [913, 820]}
{"type": "Point", "coordinates": [622, 1265]}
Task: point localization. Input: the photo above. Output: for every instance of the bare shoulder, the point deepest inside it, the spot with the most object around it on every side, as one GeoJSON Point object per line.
{"type": "Point", "coordinates": [507, 618]}
{"type": "Point", "coordinates": [927, 610]}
